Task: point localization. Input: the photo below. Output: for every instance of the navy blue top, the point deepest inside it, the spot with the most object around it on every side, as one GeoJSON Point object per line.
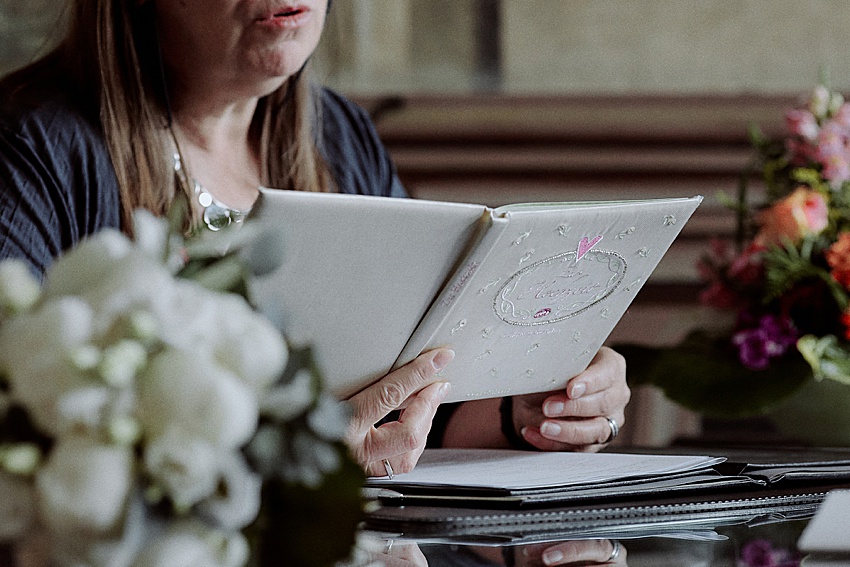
{"type": "Point", "coordinates": [57, 183]}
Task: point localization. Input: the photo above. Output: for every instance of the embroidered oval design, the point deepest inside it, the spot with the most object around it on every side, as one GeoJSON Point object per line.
{"type": "Point", "coordinates": [560, 287]}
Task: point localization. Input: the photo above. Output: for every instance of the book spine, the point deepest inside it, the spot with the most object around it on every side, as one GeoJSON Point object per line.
{"type": "Point", "coordinates": [451, 293]}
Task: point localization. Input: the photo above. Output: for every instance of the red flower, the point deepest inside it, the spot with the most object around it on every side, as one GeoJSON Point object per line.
{"type": "Point", "coordinates": [838, 257]}
{"type": "Point", "coordinates": [845, 320]}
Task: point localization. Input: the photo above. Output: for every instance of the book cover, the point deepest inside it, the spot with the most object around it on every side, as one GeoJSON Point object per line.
{"type": "Point", "coordinates": [524, 294]}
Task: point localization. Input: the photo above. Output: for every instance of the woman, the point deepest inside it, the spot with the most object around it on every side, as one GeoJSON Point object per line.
{"type": "Point", "coordinates": [147, 99]}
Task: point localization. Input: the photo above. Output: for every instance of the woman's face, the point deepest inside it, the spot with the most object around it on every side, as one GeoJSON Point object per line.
{"type": "Point", "coordinates": [243, 45]}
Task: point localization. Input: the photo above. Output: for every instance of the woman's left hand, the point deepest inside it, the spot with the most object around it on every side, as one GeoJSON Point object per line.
{"type": "Point", "coordinates": [577, 418]}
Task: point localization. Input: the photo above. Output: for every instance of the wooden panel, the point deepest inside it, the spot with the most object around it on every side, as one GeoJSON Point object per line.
{"type": "Point", "coordinates": [496, 150]}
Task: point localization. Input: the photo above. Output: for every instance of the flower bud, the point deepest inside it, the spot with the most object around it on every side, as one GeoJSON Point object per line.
{"type": "Point", "coordinates": [20, 458]}
{"type": "Point", "coordinates": [819, 103]}
{"type": "Point", "coordinates": [121, 362]}
{"type": "Point", "coordinates": [124, 431]}
{"type": "Point", "coordinates": [85, 357]}
{"type": "Point", "coordinates": [19, 290]}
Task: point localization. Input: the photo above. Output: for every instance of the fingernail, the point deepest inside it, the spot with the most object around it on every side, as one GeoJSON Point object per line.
{"type": "Point", "coordinates": [554, 409]}
{"type": "Point", "coordinates": [442, 359]}
{"type": "Point", "coordinates": [552, 556]}
{"type": "Point", "coordinates": [578, 390]}
{"type": "Point", "coordinates": [549, 429]}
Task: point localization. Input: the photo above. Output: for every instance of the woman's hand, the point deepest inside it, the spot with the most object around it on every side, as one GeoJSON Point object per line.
{"type": "Point", "coordinates": [576, 419]}
{"type": "Point", "coordinates": [579, 552]}
{"type": "Point", "coordinates": [401, 442]}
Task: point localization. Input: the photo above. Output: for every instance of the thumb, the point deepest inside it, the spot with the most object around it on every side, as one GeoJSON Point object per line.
{"type": "Point", "coordinates": [390, 392]}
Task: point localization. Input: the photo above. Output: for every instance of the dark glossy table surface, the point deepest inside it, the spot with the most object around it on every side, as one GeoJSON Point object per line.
{"type": "Point", "coordinates": [765, 544]}
{"type": "Point", "coordinates": [767, 540]}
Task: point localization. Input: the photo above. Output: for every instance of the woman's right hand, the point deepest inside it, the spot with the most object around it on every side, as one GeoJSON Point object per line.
{"type": "Point", "coordinates": [413, 387]}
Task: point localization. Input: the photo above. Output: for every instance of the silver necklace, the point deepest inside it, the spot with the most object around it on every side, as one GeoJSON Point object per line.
{"type": "Point", "coordinates": [216, 215]}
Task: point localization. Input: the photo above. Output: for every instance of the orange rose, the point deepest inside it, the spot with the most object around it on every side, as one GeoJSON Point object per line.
{"type": "Point", "coordinates": [838, 258]}
{"type": "Point", "coordinates": [802, 213]}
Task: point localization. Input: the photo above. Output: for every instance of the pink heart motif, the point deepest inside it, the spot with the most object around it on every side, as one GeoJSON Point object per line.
{"type": "Point", "coordinates": [585, 245]}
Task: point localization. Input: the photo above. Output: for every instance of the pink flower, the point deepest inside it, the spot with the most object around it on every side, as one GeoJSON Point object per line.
{"type": "Point", "coordinates": [833, 151]}
{"type": "Point", "coordinates": [802, 123]}
{"type": "Point", "coordinates": [802, 213]}
{"type": "Point", "coordinates": [842, 115]}
{"type": "Point", "coordinates": [748, 268]}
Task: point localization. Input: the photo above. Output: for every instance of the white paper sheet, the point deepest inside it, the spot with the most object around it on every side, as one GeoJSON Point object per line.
{"type": "Point", "coordinates": [518, 470]}
{"type": "Point", "coordinates": [829, 530]}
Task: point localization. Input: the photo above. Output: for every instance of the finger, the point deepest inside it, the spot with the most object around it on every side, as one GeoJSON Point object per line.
{"type": "Point", "coordinates": [375, 402]}
{"type": "Point", "coordinates": [403, 441]}
{"type": "Point", "coordinates": [606, 402]}
{"type": "Point", "coordinates": [581, 551]}
{"type": "Point", "coordinates": [605, 371]}
{"type": "Point", "coordinates": [576, 434]}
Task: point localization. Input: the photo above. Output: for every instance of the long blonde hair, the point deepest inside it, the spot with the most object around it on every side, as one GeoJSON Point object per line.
{"type": "Point", "coordinates": [113, 53]}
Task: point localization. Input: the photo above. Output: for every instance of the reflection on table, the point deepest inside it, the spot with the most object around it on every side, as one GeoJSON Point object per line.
{"type": "Point", "coordinates": [767, 544]}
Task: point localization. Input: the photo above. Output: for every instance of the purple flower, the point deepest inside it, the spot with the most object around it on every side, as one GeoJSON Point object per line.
{"type": "Point", "coordinates": [770, 339]}
{"type": "Point", "coordinates": [762, 553]}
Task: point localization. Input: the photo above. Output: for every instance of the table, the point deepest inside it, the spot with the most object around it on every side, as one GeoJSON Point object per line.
{"type": "Point", "coordinates": [766, 538]}
{"type": "Point", "coordinates": [770, 544]}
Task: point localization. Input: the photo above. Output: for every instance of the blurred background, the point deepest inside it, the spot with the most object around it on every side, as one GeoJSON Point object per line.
{"type": "Point", "coordinates": [497, 101]}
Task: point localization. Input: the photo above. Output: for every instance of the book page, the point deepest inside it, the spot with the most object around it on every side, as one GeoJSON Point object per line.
{"type": "Point", "coordinates": [518, 470]}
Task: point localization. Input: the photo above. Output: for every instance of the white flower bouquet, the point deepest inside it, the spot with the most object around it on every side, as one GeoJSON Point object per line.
{"type": "Point", "coordinates": [147, 420]}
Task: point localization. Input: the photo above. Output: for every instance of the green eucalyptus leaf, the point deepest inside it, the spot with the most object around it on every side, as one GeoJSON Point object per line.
{"type": "Point", "coordinates": [829, 359]}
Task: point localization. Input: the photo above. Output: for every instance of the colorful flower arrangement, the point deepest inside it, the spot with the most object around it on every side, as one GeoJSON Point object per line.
{"type": "Point", "coordinates": [784, 283]}
{"type": "Point", "coordinates": [149, 420]}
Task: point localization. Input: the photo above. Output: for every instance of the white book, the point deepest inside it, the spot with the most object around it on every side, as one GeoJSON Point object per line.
{"type": "Point", "coordinates": [524, 294]}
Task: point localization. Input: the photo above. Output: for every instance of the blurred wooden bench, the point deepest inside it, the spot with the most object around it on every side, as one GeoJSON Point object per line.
{"type": "Point", "coordinates": [501, 149]}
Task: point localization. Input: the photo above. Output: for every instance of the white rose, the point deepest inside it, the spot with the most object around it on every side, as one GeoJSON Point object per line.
{"type": "Point", "coordinates": [238, 502]}
{"type": "Point", "coordinates": [112, 275]}
{"type": "Point", "coordinates": [225, 327]}
{"type": "Point", "coordinates": [83, 267]}
{"type": "Point", "coordinates": [84, 485]}
{"type": "Point", "coordinates": [249, 344]}
{"type": "Point", "coordinates": [288, 401]}
{"type": "Point", "coordinates": [82, 409]}
{"type": "Point", "coordinates": [150, 232]}
{"type": "Point", "coordinates": [186, 316]}
{"type": "Point", "coordinates": [36, 355]}
{"type": "Point", "coordinates": [118, 549]}
{"type": "Point", "coordinates": [133, 283]}
{"type": "Point", "coordinates": [180, 389]}
{"type": "Point", "coordinates": [186, 467]}
{"type": "Point", "coordinates": [191, 544]}
{"type": "Point", "coordinates": [17, 507]}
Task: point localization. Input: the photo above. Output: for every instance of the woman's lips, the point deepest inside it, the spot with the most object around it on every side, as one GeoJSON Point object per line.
{"type": "Point", "coordinates": [286, 17]}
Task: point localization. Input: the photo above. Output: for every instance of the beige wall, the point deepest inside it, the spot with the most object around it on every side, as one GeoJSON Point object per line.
{"type": "Point", "coordinates": [674, 45]}
{"type": "Point", "coordinates": [552, 46]}
{"type": "Point", "coordinates": [581, 46]}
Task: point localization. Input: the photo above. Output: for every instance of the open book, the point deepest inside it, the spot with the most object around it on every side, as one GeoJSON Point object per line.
{"type": "Point", "coordinates": [524, 294]}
